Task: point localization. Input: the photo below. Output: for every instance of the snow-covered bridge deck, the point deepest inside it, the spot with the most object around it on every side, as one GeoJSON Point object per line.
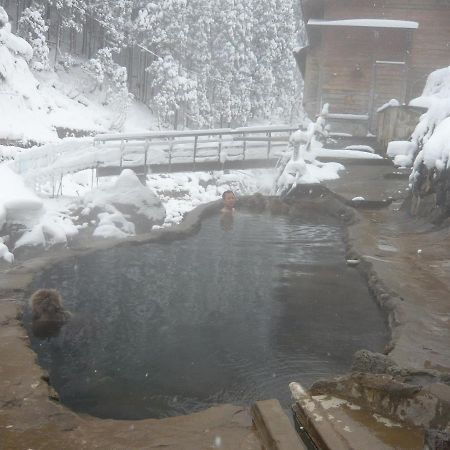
{"type": "Point", "coordinates": [194, 150]}
{"type": "Point", "coordinates": [154, 151]}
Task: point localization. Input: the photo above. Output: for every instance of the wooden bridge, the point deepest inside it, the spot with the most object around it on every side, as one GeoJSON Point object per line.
{"type": "Point", "coordinates": [154, 151]}
{"type": "Point", "coordinates": [192, 150]}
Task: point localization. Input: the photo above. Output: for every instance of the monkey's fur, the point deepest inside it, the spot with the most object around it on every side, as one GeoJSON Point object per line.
{"type": "Point", "coordinates": [48, 314]}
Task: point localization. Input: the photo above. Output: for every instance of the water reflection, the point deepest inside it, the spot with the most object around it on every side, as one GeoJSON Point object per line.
{"type": "Point", "coordinates": [227, 220]}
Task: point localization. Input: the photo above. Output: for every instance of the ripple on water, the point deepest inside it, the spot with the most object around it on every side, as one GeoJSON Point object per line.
{"type": "Point", "coordinates": [223, 316]}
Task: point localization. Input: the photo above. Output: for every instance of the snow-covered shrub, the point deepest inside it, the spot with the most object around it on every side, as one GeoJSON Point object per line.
{"type": "Point", "coordinates": [104, 69]}
{"type": "Point", "coordinates": [67, 61]}
{"type": "Point", "coordinates": [111, 80]}
{"type": "Point", "coordinates": [430, 178]}
{"type": "Point", "coordinates": [295, 165]}
{"type": "Point", "coordinates": [402, 151]}
{"type": "Point", "coordinates": [33, 29]}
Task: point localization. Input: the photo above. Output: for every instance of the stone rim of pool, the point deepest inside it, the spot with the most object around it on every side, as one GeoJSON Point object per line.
{"type": "Point", "coordinates": [317, 199]}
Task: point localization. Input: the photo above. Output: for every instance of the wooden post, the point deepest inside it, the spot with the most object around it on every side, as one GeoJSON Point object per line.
{"type": "Point", "coordinates": [122, 147]}
{"type": "Point", "coordinates": [170, 155]}
{"type": "Point", "coordinates": [220, 147]}
{"type": "Point", "coordinates": [195, 148]}
{"type": "Point", "coordinates": [244, 148]}
{"type": "Point", "coordinates": [60, 185]}
{"type": "Point", "coordinates": [269, 143]}
{"type": "Point", "coordinates": [175, 120]}
{"type": "Point", "coordinates": [146, 146]}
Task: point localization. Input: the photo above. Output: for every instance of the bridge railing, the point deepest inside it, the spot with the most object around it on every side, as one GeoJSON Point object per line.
{"type": "Point", "coordinates": [107, 154]}
{"type": "Point", "coordinates": [170, 148]}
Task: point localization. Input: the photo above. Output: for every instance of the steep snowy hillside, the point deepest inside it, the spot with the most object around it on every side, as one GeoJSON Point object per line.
{"type": "Point", "coordinates": [36, 106]}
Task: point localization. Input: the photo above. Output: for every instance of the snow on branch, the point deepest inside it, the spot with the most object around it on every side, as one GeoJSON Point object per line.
{"type": "Point", "coordinates": [294, 167]}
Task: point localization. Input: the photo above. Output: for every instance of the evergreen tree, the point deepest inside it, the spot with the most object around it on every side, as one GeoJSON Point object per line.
{"type": "Point", "coordinates": [212, 62]}
{"type": "Point", "coordinates": [197, 58]}
{"type": "Point", "coordinates": [276, 74]}
{"type": "Point", "coordinates": [33, 29]}
{"type": "Point", "coordinates": [174, 90]}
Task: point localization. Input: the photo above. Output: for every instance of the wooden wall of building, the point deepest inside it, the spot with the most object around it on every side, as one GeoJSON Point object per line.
{"type": "Point", "coordinates": [337, 52]}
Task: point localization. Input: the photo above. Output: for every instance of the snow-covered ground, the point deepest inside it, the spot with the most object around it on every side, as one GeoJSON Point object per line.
{"type": "Point", "coordinates": [32, 107]}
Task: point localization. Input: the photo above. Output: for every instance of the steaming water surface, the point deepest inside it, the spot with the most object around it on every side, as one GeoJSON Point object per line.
{"type": "Point", "coordinates": [223, 316]}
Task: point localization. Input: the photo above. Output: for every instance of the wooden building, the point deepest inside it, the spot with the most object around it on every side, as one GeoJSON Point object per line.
{"type": "Point", "coordinates": [363, 53]}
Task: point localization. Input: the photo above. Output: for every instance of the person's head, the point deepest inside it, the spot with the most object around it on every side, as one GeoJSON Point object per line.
{"type": "Point", "coordinates": [229, 199]}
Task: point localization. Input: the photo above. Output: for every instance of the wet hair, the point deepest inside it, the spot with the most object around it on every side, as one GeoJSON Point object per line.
{"type": "Point", "coordinates": [48, 314]}
{"type": "Point", "coordinates": [225, 193]}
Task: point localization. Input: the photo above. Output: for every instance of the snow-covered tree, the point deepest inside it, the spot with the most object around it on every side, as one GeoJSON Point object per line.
{"type": "Point", "coordinates": [161, 26]}
{"type": "Point", "coordinates": [33, 29]}
{"type": "Point", "coordinates": [71, 13]}
{"type": "Point", "coordinates": [276, 75]}
{"type": "Point", "coordinates": [197, 59]}
{"type": "Point", "coordinates": [114, 19]}
{"type": "Point", "coordinates": [232, 60]}
{"type": "Point", "coordinates": [173, 89]}
{"type": "Point", "coordinates": [111, 80]}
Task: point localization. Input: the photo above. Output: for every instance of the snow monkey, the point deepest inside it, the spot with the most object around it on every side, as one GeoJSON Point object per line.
{"type": "Point", "coordinates": [48, 315]}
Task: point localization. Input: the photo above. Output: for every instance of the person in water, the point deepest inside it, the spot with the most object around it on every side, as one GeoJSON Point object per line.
{"type": "Point", "coordinates": [229, 201]}
{"type": "Point", "coordinates": [226, 218]}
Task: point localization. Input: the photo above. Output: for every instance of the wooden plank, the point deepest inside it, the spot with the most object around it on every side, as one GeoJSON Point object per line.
{"type": "Point", "coordinates": [274, 428]}
{"type": "Point", "coordinates": [199, 166]}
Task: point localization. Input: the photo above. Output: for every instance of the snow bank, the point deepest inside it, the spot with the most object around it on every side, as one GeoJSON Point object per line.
{"type": "Point", "coordinates": [16, 200]}
{"type": "Point", "coordinates": [181, 192]}
{"type": "Point", "coordinates": [18, 204]}
{"type": "Point", "coordinates": [402, 152]}
{"type": "Point", "coordinates": [117, 206]}
{"type": "Point", "coordinates": [5, 253]}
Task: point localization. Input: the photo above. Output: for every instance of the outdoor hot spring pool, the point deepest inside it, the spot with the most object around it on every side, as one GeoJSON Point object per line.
{"type": "Point", "coordinates": [224, 316]}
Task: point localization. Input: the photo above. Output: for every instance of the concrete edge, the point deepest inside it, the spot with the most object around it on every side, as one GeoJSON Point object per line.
{"type": "Point", "coordinates": [309, 415]}
{"type": "Point", "coordinates": [273, 427]}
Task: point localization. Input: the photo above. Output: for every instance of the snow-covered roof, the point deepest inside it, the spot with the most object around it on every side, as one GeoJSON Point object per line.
{"type": "Point", "coordinates": [369, 23]}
